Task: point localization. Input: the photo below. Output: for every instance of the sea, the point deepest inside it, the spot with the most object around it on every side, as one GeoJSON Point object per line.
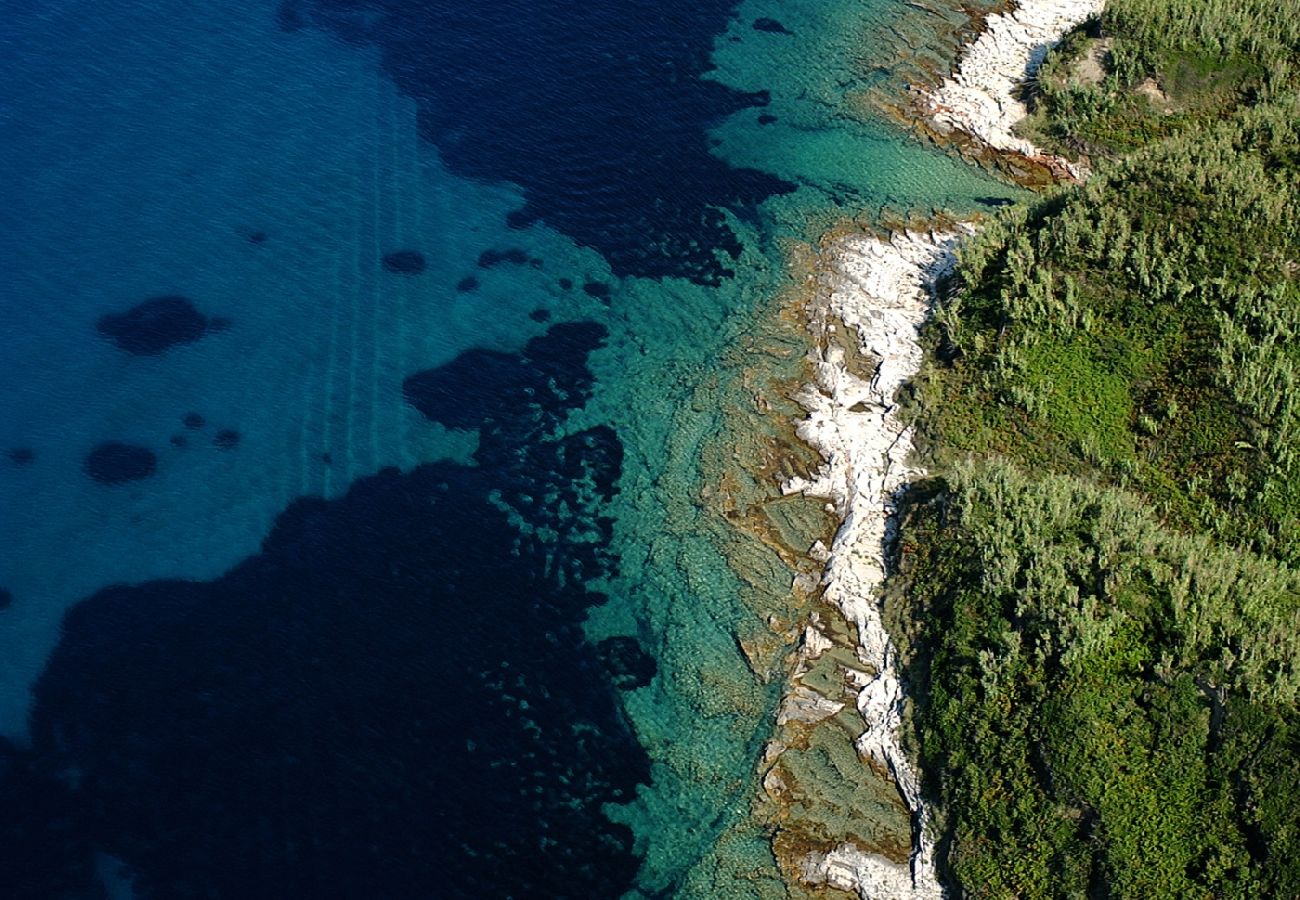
{"type": "Point", "coordinates": [366, 371]}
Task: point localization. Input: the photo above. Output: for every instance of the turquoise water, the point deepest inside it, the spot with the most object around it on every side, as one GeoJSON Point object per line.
{"type": "Point", "coordinates": [262, 172]}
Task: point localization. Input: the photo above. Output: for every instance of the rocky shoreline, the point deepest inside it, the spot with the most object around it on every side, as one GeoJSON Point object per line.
{"type": "Point", "coordinates": [873, 295]}
{"type": "Point", "coordinates": [880, 289]}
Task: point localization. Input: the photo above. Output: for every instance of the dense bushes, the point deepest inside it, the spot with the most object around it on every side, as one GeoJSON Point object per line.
{"type": "Point", "coordinates": [1104, 580]}
{"type": "Point", "coordinates": [1104, 697]}
{"type": "Point", "coordinates": [1145, 326]}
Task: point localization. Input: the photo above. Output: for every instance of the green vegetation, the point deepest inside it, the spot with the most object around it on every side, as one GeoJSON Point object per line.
{"type": "Point", "coordinates": [1144, 327]}
{"type": "Point", "coordinates": [1163, 67]}
{"type": "Point", "coordinates": [1103, 579]}
{"type": "Point", "coordinates": [1110, 704]}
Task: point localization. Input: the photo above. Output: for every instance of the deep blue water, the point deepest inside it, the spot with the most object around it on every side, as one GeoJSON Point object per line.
{"type": "Point", "coordinates": [391, 699]}
{"type": "Point", "coordinates": [391, 696]}
{"type": "Point", "coordinates": [356, 365]}
{"type": "Point", "coordinates": [596, 109]}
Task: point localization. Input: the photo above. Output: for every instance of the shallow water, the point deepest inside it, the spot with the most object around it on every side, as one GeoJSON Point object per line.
{"type": "Point", "coordinates": [353, 627]}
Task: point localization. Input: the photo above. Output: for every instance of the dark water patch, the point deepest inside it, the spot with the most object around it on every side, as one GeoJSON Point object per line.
{"type": "Point", "coordinates": [179, 441]}
{"type": "Point", "coordinates": [22, 456]}
{"type": "Point", "coordinates": [513, 255]}
{"type": "Point", "coordinates": [226, 439]}
{"type": "Point", "coordinates": [289, 16]}
{"type": "Point", "coordinates": [6, 598]}
{"type": "Point", "coordinates": [394, 698]}
{"type": "Point", "coordinates": [566, 284]}
{"type": "Point", "coordinates": [770, 26]}
{"type": "Point", "coordinates": [465, 392]}
{"type": "Point", "coordinates": [596, 452]}
{"type": "Point", "coordinates": [482, 386]}
{"type": "Point", "coordinates": [519, 219]}
{"type": "Point", "coordinates": [540, 315]}
{"type": "Point", "coordinates": [597, 110]}
{"type": "Point", "coordinates": [154, 326]}
{"type": "Point", "coordinates": [467, 284]}
{"type": "Point", "coordinates": [404, 262]}
{"type": "Point", "coordinates": [43, 852]}
{"type": "Point", "coordinates": [599, 290]}
{"type": "Point", "coordinates": [327, 458]}
{"type": "Point", "coordinates": [218, 324]}
{"type": "Point", "coordinates": [384, 702]}
{"type": "Point", "coordinates": [766, 119]}
{"type": "Point", "coordinates": [257, 237]}
{"type": "Point", "coordinates": [193, 421]}
{"type": "Point", "coordinates": [626, 664]}
{"type": "Point", "coordinates": [114, 462]}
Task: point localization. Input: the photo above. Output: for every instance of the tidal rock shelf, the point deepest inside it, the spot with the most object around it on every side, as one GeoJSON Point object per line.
{"type": "Point", "coordinates": [880, 288]}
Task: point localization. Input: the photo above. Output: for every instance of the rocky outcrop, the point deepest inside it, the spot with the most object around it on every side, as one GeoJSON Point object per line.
{"type": "Point", "coordinates": [980, 99]}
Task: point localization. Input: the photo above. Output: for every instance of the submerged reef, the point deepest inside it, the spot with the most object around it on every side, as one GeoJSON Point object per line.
{"type": "Point", "coordinates": [513, 255]}
{"type": "Point", "coordinates": [470, 391]}
{"type": "Point", "coordinates": [770, 26]}
{"type": "Point", "coordinates": [627, 665]}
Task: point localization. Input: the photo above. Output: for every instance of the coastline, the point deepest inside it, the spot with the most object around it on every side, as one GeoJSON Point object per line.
{"type": "Point", "coordinates": [880, 289]}
{"type": "Point", "coordinates": [872, 297]}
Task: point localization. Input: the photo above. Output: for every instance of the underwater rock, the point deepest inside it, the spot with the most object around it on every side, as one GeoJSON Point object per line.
{"type": "Point", "coordinates": [629, 666]}
{"type": "Point", "coordinates": [6, 599]}
{"type": "Point", "coordinates": [157, 324]}
{"type": "Point", "coordinates": [540, 315]}
{"type": "Point", "coordinates": [766, 119]}
{"type": "Point", "coordinates": [595, 453]}
{"type": "Point", "coordinates": [226, 439]}
{"type": "Point", "coordinates": [566, 284]}
{"type": "Point", "coordinates": [114, 462]}
{"type": "Point", "coordinates": [22, 456]}
{"type": "Point", "coordinates": [179, 441]}
{"type": "Point", "coordinates": [467, 284]}
{"type": "Point", "coordinates": [770, 26]}
{"type": "Point", "coordinates": [193, 421]}
{"type": "Point", "coordinates": [404, 262]}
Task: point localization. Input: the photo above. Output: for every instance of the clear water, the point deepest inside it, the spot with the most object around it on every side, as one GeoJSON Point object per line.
{"type": "Point", "coordinates": [260, 160]}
